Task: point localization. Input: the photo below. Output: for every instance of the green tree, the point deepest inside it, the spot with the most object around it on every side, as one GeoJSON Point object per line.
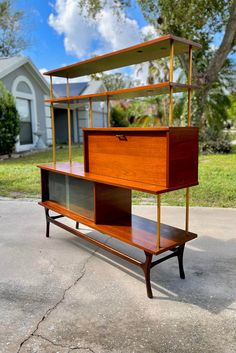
{"type": "Point", "coordinates": [9, 121]}
{"type": "Point", "coordinates": [113, 81]}
{"type": "Point", "coordinates": [199, 20]}
{"type": "Point", "coordinates": [12, 41]}
{"type": "Point", "coordinates": [232, 108]}
{"type": "Point", "coordinates": [119, 117]}
{"type": "Point", "coordinates": [153, 111]}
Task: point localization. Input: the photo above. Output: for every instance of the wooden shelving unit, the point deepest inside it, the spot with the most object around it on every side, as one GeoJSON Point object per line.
{"type": "Point", "coordinates": [119, 160]}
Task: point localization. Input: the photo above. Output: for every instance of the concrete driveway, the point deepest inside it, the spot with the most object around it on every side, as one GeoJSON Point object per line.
{"type": "Point", "coordinates": [64, 295]}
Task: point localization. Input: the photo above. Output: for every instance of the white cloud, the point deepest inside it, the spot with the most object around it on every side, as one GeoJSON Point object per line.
{"type": "Point", "coordinates": [85, 37]}
{"type": "Point", "coordinates": [78, 33]}
{"type": "Point", "coordinates": [149, 32]}
{"type": "Point", "coordinates": [117, 32]}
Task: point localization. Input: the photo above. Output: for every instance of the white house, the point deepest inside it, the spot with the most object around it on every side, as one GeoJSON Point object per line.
{"type": "Point", "coordinates": [30, 89]}
{"type": "Point", "coordinates": [24, 81]}
{"type": "Point", "coordinates": [79, 111]}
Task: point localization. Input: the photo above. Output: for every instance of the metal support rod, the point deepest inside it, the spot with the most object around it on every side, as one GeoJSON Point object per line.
{"type": "Point", "coordinates": [90, 112]}
{"type": "Point", "coordinates": [108, 112]}
{"type": "Point", "coordinates": [187, 211]}
{"type": "Point", "coordinates": [171, 107]}
{"type": "Point", "coordinates": [171, 60]}
{"type": "Point", "coordinates": [190, 71]}
{"type": "Point", "coordinates": [53, 124]}
{"type": "Point", "coordinates": [158, 221]}
{"type": "Point", "coordinates": [78, 125]}
{"type": "Point", "coordinates": [171, 80]}
{"type": "Point", "coordinates": [189, 106]}
{"type": "Point", "coordinates": [69, 121]}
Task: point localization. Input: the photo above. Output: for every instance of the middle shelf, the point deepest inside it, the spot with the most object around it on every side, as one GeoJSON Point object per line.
{"type": "Point", "coordinates": [76, 170]}
{"type": "Point", "coordinates": [129, 93]}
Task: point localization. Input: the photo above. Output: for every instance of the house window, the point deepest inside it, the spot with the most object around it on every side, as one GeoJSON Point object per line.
{"type": "Point", "coordinates": [24, 109]}
{"type": "Point", "coordinates": [24, 93]}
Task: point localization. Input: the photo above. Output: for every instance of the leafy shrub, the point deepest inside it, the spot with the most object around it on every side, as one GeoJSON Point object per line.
{"type": "Point", "coordinates": [9, 121]}
{"type": "Point", "coordinates": [119, 117]}
{"type": "Point", "coordinates": [216, 143]}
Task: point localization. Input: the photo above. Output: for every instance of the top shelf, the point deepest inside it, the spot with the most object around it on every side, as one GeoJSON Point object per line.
{"type": "Point", "coordinates": [146, 51]}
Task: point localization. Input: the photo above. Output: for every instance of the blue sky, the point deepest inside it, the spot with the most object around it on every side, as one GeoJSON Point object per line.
{"type": "Point", "coordinates": [60, 36]}
{"type": "Point", "coordinates": [46, 46]}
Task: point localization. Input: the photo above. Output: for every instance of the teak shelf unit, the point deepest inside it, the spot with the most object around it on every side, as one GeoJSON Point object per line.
{"type": "Point", "coordinates": [119, 160]}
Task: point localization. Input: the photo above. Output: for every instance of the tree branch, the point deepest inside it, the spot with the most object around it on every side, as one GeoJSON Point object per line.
{"type": "Point", "coordinates": [183, 58]}
{"type": "Point", "coordinates": [224, 49]}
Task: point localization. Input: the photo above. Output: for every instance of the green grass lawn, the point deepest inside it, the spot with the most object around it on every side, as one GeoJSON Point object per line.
{"type": "Point", "coordinates": [217, 179]}
{"type": "Point", "coordinates": [21, 178]}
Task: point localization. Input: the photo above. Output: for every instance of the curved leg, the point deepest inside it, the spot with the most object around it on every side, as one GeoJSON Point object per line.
{"type": "Point", "coordinates": [180, 261]}
{"type": "Point", "coordinates": [47, 222]}
{"type": "Point", "coordinates": [146, 269]}
{"type": "Point", "coordinates": [77, 225]}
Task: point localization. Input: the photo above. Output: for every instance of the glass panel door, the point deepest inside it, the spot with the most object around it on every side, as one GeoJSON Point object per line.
{"type": "Point", "coordinates": [81, 197]}
{"type": "Point", "coordinates": [24, 110]}
{"type": "Point", "coordinates": [72, 193]}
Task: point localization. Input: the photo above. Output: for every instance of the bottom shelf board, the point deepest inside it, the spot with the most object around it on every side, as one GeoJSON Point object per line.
{"type": "Point", "coordinates": [140, 232]}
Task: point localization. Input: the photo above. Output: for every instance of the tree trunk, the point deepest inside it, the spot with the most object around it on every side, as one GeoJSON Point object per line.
{"type": "Point", "coordinates": [224, 49]}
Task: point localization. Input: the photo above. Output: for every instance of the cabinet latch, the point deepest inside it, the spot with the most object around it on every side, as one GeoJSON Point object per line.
{"type": "Point", "coordinates": [121, 137]}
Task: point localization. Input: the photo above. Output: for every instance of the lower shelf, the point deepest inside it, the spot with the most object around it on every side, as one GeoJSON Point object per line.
{"type": "Point", "coordinates": [140, 232]}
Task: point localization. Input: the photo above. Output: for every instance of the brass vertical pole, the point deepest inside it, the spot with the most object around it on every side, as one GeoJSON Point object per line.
{"type": "Point", "coordinates": [108, 112]}
{"type": "Point", "coordinates": [90, 112]}
{"type": "Point", "coordinates": [158, 221]}
{"type": "Point", "coordinates": [190, 70]}
{"type": "Point", "coordinates": [187, 211]}
{"type": "Point", "coordinates": [53, 124]}
{"type": "Point", "coordinates": [171, 80]}
{"type": "Point", "coordinates": [189, 124]}
{"type": "Point", "coordinates": [69, 121]}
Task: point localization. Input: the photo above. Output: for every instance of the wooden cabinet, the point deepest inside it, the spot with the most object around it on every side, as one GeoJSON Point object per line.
{"type": "Point", "coordinates": [99, 203]}
{"type": "Point", "coordinates": [159, 156]}
{"type": "Point", "coordinates": [155, 160]}
{"type": "Point", "coordinates": [107, 209]}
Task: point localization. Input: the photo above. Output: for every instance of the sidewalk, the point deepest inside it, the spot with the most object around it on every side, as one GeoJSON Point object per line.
{"type": "Point", "coordinates": [63, 295]}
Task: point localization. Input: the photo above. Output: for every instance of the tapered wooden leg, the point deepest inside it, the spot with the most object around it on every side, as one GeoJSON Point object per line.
{"type": "Point", "coordinates": [146, 269]}
{"type": "Point", "coordinates": [47, 222]}
{"type": "Point", "coordinates": [180, 260]}
{"type": "Point", "coordinates": [77, 225]}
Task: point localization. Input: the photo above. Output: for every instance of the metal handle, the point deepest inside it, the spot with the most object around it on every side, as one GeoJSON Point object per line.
{"type": "Point", "coordinates": [121, 137]}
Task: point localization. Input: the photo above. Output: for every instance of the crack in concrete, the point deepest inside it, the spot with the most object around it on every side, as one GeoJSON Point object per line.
{"type": "Point", "coordinates": [49, 311]}
{"type": "Point", "coordinates": [51, 342]}
{"type": "Point", "coordinates": [79, 348]}
{"type": "Point", "coordinates": [70, 348]}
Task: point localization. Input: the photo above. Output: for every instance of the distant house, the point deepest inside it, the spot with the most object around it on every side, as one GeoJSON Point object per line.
{"type": "Point", "coordinates": [79, 111]}
{"type": "Point", "coordinates": [30, 89]}
{"type": "Point", "coordinates": [24, 81]}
